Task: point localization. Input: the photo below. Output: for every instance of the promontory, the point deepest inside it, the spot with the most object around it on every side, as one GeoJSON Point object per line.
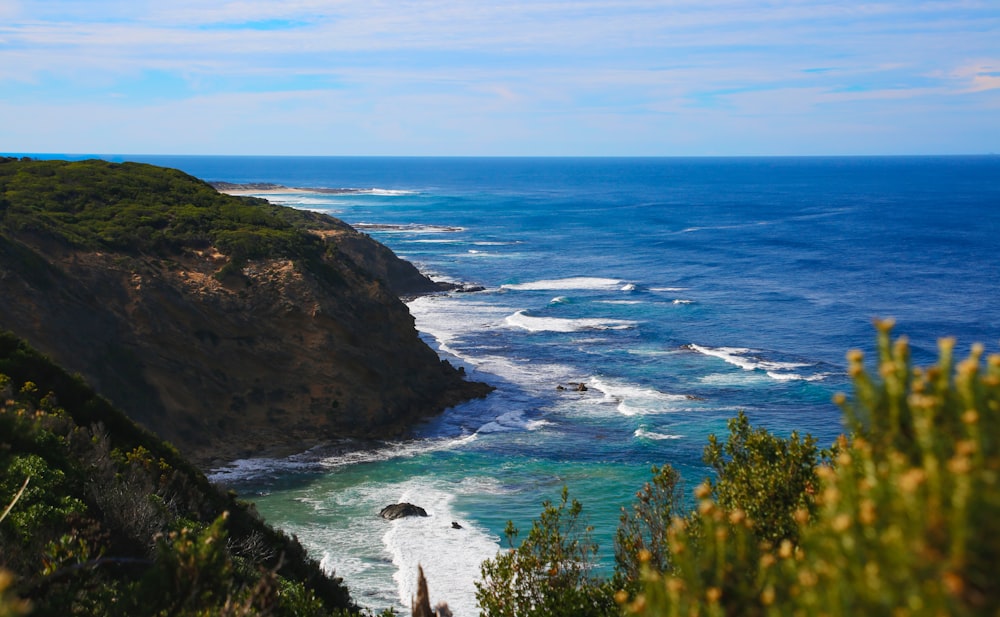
{"type": "Point", "coordinates": [227, 325]}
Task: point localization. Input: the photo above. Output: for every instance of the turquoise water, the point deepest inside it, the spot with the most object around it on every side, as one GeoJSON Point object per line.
{"type": "Point", "coordinates": [678, 290]}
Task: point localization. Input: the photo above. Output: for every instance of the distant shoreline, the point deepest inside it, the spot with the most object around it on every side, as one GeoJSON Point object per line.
{"type": "Point", "coordinates": [267, 188]}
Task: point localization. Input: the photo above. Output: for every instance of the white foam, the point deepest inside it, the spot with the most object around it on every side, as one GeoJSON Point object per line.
{"type": "Point", "coordinates": [253, 468]}
{"type": "Point", "coordinates": [484, 254]}
{"type": "Point", "coordinates": [412, 228]}
{"type": "Point", "coordinates": [318, 204]}
{"type": "Point", "coordinates": [244, 470]}
{"type": "Point", "coordinates": [386, 192]}
{"type": "Point", "coordinates": [628, 287]}
{"type": "Point", "coordinates": [747, 360]}
{"type": "Point", "coordinates": [447, 319]}
{"type": "Point", "coordinates": [576, 282]}
{"type": "Point", "coordinates": [632, 399]}
{"type": "Point", "coordinates": [733, 379]}
{"type": "Point", "coordinates": [510, 421]}
{"type": "Point", "coordinates": [732, 355]}
{"type": "Point", "coordinates": [449, 557]}
{"type": "Point", "coordinates": [680, 301]}
{"type": "Point", "coordinates": [796, 376]}
{"type": "Point", "coordinates": [557, 324]}
{"type": "Point", "coordinates": [396, 450]}
{"type": "Point", "coordinates": [336, 192]}
{"type": "Point", "coordinates": [644, 434]}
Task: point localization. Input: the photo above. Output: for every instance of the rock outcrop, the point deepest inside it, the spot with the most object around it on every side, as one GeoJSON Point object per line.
{"type": "Point", "coordinates": [223, 356]}
{"type": "Point", "coordinates": [401, 510]}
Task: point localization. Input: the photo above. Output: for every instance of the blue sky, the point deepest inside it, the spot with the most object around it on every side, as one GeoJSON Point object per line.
{"type": "Point", "coordinates": [510, 77]}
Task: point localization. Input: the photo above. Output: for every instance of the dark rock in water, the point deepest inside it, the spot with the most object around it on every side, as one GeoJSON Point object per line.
{"type": "Point", "coordinates": [401, 510]}
{"type": "Point", "coordinates": [455, 525]}
{"type": "Point", "coordinates": [470, 288]}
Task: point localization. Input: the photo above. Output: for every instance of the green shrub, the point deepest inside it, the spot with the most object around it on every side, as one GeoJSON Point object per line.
{"type": "Point", "coordinates": [143, 209]}
{"type": "Point", "coordinates": [114, 522]}
{"type": "Point", "coordinates": [641, 539]}
{"type": "Point", "coordinates": [765, 476]}
{"type": "Point", "coordinates": [904, 520]}
{"type": "Point", "coordinates": [549, 573]}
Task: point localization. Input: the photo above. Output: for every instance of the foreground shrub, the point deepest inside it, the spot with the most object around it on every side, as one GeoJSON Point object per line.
{"type": "Point", "coordinates": [98, 517]}
{"type": "Point", "coordinates": [905, 517]}
{"type": "Point", "coordinates": [549, 573]}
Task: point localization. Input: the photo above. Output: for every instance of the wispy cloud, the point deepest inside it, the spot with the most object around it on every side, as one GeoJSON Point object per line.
{"type": "Point", "coordinates": [610, 68]}
{"type": "Point", "coordinates": [978, 77]}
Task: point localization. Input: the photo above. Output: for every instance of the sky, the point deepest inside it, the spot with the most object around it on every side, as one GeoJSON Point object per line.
{"type": "Point", "coordinates": [500, 78]}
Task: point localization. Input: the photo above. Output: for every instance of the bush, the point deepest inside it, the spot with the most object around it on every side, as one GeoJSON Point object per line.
{"type": "Point", "coordinates": [549, 573]}
{"type": "Point", "coordinates": [767, 477]}
{"type": "Point", "coordinates": [904, 520]}
{"type": "Point", "coordinates": [111, 521]}
{"type": "Point", "coordinates": [641, 539]}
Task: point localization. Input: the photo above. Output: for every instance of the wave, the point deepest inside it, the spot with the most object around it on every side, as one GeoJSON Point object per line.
{"type": "Point", "coordinates": [512, 421]}
{"type": "Point", "coordinates": [319, 190]}
{"type": "Point", "coordinates": [644, 434]}
{"type": "Point", "coordinates": [751, 360]}
{"type": "Point", "coordinates": [524, 321]}
{"type": "Point", "coordinates": [449, 556]}
{"type": "Point", "coordinates": [575, 282]}
{"type": "Point", "coordinates": [433, 241]}
{"type": "Point", "coordinates": [255, 469]}
{"type": "Point", "coordinates": [386, 192]}
{"type": "Point", "coordinates": [392, 450]}
{"type": "Point", "coordinates": [682, 301]}
{"type": "Point", "coordinates": [797, 376]}
{"type": "Point", "coordinates": [320, 458]}
{"type": "Point", "coordinates": [632, 399]}
{"type": "Point", "coordinates": [413, 228]}
{"type": "Point", "coordinates": [484, 254]}
{"type": "Point", "coordinates": [734, 379]}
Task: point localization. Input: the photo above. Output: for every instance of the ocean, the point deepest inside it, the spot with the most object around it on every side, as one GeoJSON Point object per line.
{"type": "Point", "coordinates": [677, 291]}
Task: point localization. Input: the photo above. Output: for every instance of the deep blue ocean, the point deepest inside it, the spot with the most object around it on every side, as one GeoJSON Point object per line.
{"type": "Point", "coordinates": [679, 291]}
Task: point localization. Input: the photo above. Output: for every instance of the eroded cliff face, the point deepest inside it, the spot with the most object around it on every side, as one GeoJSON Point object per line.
{"type": "Point", "coordinates": [275, 357]}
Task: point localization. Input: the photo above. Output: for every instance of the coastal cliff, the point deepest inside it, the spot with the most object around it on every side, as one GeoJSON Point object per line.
{"type": "Point", "coordinates": [227, 325]}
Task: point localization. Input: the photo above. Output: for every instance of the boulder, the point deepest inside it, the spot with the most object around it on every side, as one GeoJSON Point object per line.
{"type": "Point", "coordinates": [401, 510]}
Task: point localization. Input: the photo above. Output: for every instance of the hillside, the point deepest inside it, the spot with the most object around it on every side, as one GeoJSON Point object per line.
{"type": "Point", "coordinates": [226, 325]}
{"type": "Point", "coordinates": [106, 519]}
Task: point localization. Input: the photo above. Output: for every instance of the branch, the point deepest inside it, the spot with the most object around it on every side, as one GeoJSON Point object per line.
{"type": "Point", "coordinates": [16, 497]}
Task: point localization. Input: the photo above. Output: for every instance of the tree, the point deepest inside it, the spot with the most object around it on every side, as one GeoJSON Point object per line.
{"type": "Point", "coordinates": [641, 539]}
{"type": "Point", "coordinates": [768, 477]}
{"type": "Point", "coordinates": [550, 573]}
